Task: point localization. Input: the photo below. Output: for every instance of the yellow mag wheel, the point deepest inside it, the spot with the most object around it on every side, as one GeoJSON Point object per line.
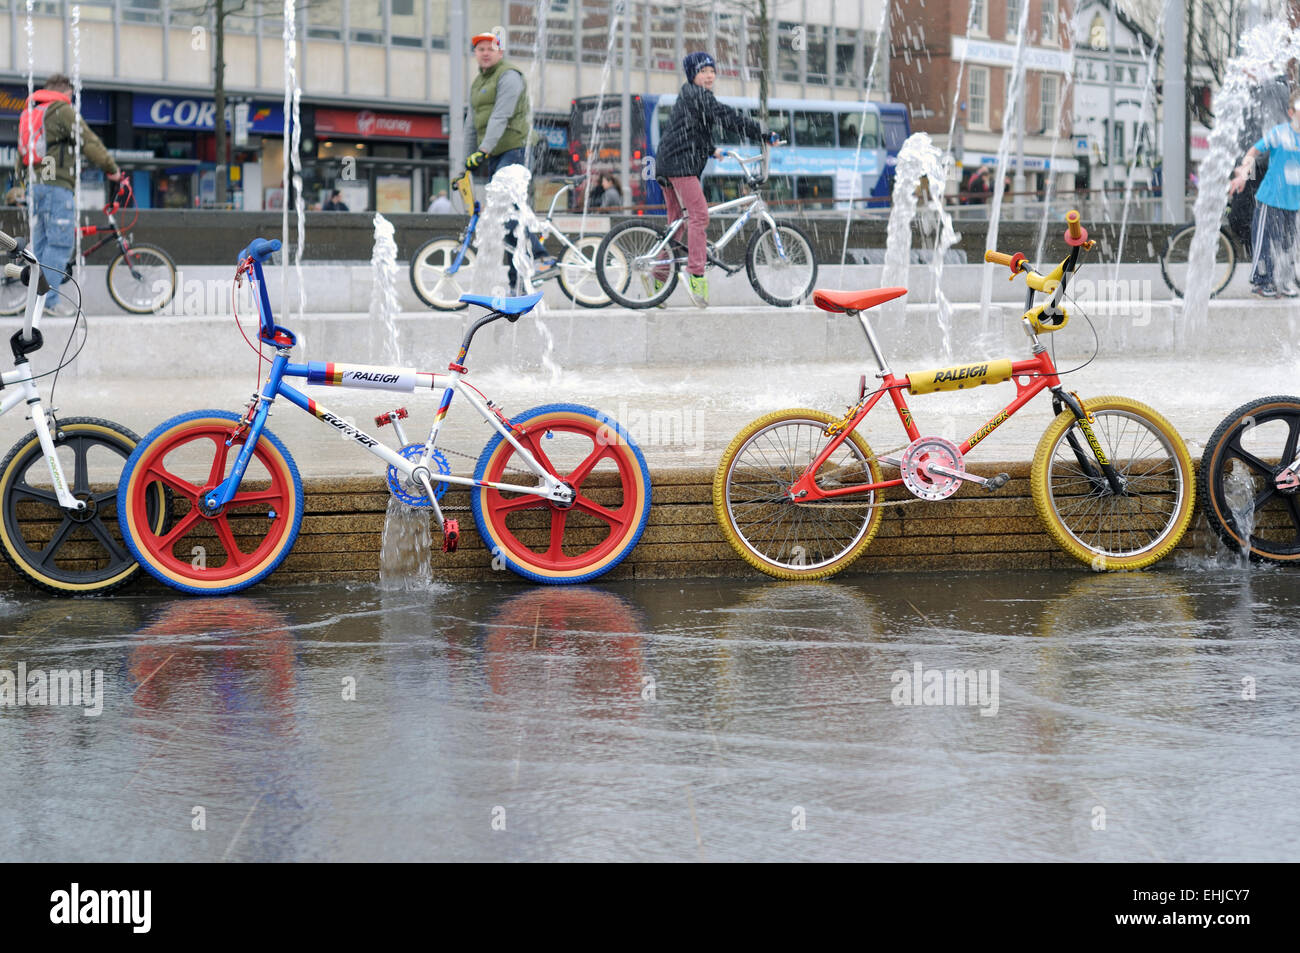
{"type": "Point", "coordinates": [773, 534]}
{"type": "Point", "coordinates": [71, 552]}
{"type": "Point", "coordinates": [1091, 522]}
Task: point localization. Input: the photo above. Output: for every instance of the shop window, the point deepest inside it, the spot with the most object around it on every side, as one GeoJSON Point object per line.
{"type": "Point", "coordinates": [816, 48]}
{"type": "Point", "coordinates": [787, 57]}
{"type": "Point", "coordinates": [977, 101]}
{"type": "Point", "coordinates": [142, 11]}
{"type": "Point", "coordinates": [325, 19]}
{"type": "Point", "coordinates": [407, 23]}
{"type": "Point", "coordinates": [1048, 107]}
{"type": "Point", "coordinates": [663, 39]}
{"type": "Point", "coordinates": [846, 69]}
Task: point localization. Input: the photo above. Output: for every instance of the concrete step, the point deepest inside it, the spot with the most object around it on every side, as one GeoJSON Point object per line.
{"type": "Point", "coordinates": [121, 346]}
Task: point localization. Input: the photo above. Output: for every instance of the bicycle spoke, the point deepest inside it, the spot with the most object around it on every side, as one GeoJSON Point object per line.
{"type": "Point", "coordinates": [56, 541]}
{"type": "Point", "coordinates": [107, 541]}
{"type": "Point", "coordinates": [227, 537]}
{"type": "Point", "coordinates": [168, 542]}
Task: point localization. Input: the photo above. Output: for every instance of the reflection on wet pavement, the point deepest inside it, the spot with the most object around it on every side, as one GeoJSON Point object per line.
{"type": "Point", "coordinates": [1144, 716]}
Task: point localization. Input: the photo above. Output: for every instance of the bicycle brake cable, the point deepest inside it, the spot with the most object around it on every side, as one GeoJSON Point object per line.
{"type": "Point", "coordinates": [1096, 340]}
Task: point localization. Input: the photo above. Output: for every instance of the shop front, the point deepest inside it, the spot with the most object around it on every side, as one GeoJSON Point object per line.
{"type": "Point", "coordinates": [179, 132]}
{"type": "Point", "coordinates": [381, 161]}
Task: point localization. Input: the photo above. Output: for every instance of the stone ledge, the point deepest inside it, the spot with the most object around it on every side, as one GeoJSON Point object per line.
{"type": "Point", "coordinates": [342, 531]}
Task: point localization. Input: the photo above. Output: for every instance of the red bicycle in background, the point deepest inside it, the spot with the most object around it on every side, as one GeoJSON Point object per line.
{"type": "Point", "coordinates": [141, 278]}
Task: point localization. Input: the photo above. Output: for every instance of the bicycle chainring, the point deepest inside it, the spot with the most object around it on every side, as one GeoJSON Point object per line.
{"type": "Point", "coordinates": [915, 464]}
{"type": "Point", "coordinates": [411, 492]}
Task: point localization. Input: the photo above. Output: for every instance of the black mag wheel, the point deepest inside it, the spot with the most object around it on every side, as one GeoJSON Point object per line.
{"type": "Point", "coordinates": [1251, 501]}
{"type": "Point", "coordinates": [61, 551]}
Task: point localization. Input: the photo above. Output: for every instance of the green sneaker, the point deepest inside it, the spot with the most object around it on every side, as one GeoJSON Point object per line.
{"type": "Point", "coordinates": [697, 289]}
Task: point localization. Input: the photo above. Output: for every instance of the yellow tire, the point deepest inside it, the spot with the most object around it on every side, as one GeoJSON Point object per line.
{"type": "Point", "coordinates": [1092, 523]}
{"type": "Point", "coordinates": [764, 527]}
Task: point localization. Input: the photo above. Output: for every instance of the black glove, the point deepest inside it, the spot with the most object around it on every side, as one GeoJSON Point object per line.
{"type": "Point", "coordinates": [475, 160]}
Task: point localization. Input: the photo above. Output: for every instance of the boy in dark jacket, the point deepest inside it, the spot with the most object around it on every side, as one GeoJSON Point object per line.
{"type": "Point", "coordinates": [685, 150]}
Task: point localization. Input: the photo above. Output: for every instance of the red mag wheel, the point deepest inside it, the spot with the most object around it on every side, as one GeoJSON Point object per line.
{"type": "Point", "coordinates": [210, 551]}
{"type": "Point", "coordinates": [556, 543]}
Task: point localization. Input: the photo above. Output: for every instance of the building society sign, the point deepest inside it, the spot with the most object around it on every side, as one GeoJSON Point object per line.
{"type": "Point", "coordinates": [989, 53]}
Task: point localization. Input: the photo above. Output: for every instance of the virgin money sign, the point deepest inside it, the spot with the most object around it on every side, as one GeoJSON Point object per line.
{"type": "Point", "coordinates": [372, 125]}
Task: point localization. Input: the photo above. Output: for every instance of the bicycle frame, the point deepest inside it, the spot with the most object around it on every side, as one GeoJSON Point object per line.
{"type": "Point", "coordinates": [23, 342]}
{"type": "Point", "coordinates": [1031, 377]}
{"type": "Point", "coordinates": [548, 228]}
{"type": "Point", "coordinates": [373, 378]}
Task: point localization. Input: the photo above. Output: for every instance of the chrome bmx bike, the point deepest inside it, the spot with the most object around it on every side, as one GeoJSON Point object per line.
{"type": "Point", "coordinates": [638, 261]}
{"type": "Point", "coordinates": [442, 269]}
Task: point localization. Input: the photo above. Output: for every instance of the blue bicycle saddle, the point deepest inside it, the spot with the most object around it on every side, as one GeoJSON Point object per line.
{"type": "Point", "coordinates": [518, 305]}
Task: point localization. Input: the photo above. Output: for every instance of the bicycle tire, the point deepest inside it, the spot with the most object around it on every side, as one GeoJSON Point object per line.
{"type": "Point", "coordinates": [141, 255]}
{"type": "Point", "coordinates": [509, 526]}
{"type": "Point", "coordinates": [620, 245]}
{"type": "Point", "coordinates": [796, 244]}
{"type": "Point", "coordinates": [757, 518]}
{"type": "Point", "coordinates": [428, 273]}
{"type": "Point", "coordinates": [282, 498]}
{"type": "Point", "coordinates": [577, 276]}
{"type": "Point", "coordinates": [1268, 528]}
{"type": "Point", "coordinates": [77, 553]}
{"type": "Point", "coordinates": [13, 296]}
{"type": "Point", "coordinates": [1070, 504]}
{"type": "Point", "coordinates": [1173, 260]}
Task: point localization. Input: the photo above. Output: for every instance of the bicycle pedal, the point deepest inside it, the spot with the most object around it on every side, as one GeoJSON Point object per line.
{"type": "Point", "coordinates": [383, 420]}
{"type": "Point", "coordinates": [450, 536]}
{"type": "Point", "coordinates": [997, 482]}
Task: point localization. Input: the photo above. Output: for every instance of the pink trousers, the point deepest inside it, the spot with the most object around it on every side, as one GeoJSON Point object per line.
{"type": "Point", "coordinates": [687, 191]}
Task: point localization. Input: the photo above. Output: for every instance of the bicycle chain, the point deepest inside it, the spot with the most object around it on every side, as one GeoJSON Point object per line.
{"type": "Point", "coordinates": [470, 456]}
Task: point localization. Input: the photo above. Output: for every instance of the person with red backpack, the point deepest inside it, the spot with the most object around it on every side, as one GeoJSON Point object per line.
{"type": "Point", "coordinates": [46, 153]}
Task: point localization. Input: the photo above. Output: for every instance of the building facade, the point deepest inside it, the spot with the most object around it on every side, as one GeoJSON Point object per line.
{"type": "Point", "coordinates": [374, 78]}
{"type": "Point", "coordinates": [1116, 131]}
{"type": "Point", "coordinates": [953, 65]}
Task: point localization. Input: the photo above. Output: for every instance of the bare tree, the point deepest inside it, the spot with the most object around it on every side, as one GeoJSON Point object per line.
{"type": "Point", "coordinates": [219, 12]}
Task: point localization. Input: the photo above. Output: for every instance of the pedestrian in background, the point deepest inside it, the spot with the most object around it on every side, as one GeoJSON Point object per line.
{"type": "Point", "coordinates": [441, 204]}
{"type": "Point", "coordinates": [336, 203]}
{"type": "Point", "coordinates": [496, 130]}
{"type": "Point", "coordinates": [47, 133]}
{"type": "Point", "coordinates": [611, 196]}
{"type": "Point", "coordinates": [1273, 228]}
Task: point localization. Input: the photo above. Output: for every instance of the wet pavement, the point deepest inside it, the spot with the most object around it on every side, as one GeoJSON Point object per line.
{"type": "Point", "coordinates": [1145, 716]}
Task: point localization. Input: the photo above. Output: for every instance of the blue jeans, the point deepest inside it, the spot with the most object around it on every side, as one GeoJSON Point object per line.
{"type": "Point", "coordinates": [514, 157]}
{"type": "Point", "coordinates": [54, 232]}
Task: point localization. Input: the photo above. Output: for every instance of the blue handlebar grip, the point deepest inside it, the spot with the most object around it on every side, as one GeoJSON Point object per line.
{"type": "Point", "coordinates": [261, 249]}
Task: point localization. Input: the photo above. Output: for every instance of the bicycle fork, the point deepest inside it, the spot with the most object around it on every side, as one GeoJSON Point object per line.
{"type": "Point", "coordinates": [1101, 473]}
{"type": "Point", "coordinates": [46, 427]}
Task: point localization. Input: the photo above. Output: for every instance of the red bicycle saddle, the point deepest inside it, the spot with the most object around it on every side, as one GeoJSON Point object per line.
{"type": "Point", "coordinates": [840, 301]}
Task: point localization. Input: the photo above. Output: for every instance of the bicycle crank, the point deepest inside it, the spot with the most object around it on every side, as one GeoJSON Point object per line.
{"type": "Point", "coordinates": [932, 470]}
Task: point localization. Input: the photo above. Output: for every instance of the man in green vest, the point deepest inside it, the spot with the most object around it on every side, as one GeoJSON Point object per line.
{"type": "Point", "coordinates": [497, 133]}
